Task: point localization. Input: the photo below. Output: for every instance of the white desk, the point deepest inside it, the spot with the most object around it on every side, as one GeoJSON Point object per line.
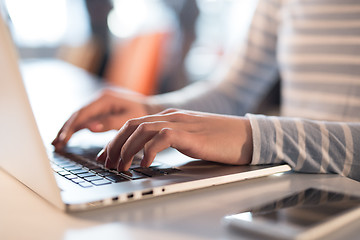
{"type": "Point", "coordinates": [189, 215]}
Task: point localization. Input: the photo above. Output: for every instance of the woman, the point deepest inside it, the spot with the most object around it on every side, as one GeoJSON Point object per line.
{"type": "Point", "coordinates": [314, 46]}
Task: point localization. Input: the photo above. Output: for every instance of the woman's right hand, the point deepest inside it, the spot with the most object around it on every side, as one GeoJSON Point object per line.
{"type": "Point", "coordinates": [109, 111]}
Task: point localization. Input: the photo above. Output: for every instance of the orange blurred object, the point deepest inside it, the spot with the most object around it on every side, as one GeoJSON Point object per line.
{"type": "Point", "coordinates": [136, 63]}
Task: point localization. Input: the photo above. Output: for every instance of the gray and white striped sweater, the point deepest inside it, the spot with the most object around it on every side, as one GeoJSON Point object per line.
{"type": "Point", "coordinates": [314, 45]}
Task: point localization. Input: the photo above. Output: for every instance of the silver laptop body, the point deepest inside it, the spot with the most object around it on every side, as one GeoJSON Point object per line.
{"type": "Point", "coordinates": [24, 155]}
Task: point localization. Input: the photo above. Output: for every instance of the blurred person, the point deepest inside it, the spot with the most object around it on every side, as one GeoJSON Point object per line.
{"type": "Point", "coordinates": [174, 76]}
{"type": "Point", "coordinates": [98, 11]}
{"type": "Point", "coordinates": [313, 46]}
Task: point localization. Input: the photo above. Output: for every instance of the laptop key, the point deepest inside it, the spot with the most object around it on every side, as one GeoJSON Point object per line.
{"type": "Point", "coordinates": [97, 170]}
{"type": "Point", "coordinates": [148, 172]}
{"type": "Point", "coordinates": [116, 178]}
{"type": "Point", "coordinates": [78, 180]}
{"type": "Point", "coordinates": [154, 172]}
{"type": "Point", "coordinates": [71, 176]}
{"type": "Point", "coordinates": [83, 170]}
{"type": "Point", "coordinates": [168, 171]}
{"type": "Point", "coordinates": [74, 167]}
{"type": "Point", "coordinates": [63, 173]}
{"type": "Point", "coordinates": [56, 168]}
{"type": "Point", "coordinates": [57, 159]}
{"type": "Point", "coordinates": [88, 174]}
{"type": "Point", "coordinates": [66, 164]}
{"type": "Point", "coordinates": [133, 175]}
{"type": "Point", "coordinates": [93, 178]}
{"type": "Point", "coordinates": [85, 184]}
{"type": "Point", "coordinates": [105, 173]}
{"type": "Point", "coordinates": [101, 182]}
{"type": "Point", "coordinates": [90, 166]}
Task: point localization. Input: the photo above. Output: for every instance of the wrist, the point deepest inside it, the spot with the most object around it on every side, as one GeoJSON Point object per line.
{"type": "Point", "coordinates": [247, 149]}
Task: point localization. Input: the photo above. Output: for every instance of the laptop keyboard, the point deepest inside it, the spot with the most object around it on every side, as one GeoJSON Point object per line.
{"type": "Point", "coordinates": [80, 166]}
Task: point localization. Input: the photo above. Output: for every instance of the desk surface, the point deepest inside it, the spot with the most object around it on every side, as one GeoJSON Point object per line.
{"type": "Point", "coordinates": [190, 215]}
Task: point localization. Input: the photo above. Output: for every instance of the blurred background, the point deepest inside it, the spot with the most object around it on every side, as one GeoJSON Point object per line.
{"type": "Point", "coordinates": [149, 46]}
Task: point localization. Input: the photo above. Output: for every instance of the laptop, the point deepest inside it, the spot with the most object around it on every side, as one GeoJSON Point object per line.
{"type": "Point", "coordinates": [72, 180]}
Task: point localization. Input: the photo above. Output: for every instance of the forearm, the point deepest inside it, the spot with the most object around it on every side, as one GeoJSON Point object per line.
{"type": "Point", "coordinates": [307, 146]}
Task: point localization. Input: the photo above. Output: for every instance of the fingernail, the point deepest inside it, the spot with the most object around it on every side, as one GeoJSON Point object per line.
{"type": "Point", "coordinates": [62, 136]}
{"type": "Point", "coordinates": [101, 152]}
{"type": "Point", "coordinates": [98, 127]}
{"type": "Point", "coordinates": [100, 155]}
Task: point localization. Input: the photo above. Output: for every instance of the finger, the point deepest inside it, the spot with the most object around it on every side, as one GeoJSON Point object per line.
{"type": "Point", "coordinates": [136, 141]}
{"type": "Point", "coordinates": [96, 126]}
{"type": "Point", "coordinates": [70, 127]}
{"type": "Point", "coordinates": [110, 164]}
{"type": "Point", "coordinates": [62, 136]}
{"type": "Point", "coordinates": [111, 157]}
{"type": "Point", "coordinates": [168, 137]}
{"type": "Point", "coordinates": [101, 156]}
{"type": "Point", "coordinates": [65, 133]}
{"type": "Point", "coordinates": [106, 122]}
{"type": "Point", "coordinates": [113, 149]}
{"type": "Point", "coordinates": [79, 119]}
{"type": "Point", "coordinates": [56, 139]}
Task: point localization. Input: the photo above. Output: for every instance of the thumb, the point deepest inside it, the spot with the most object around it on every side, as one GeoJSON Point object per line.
{"type": "Point", "coordinates": [106, 123]}
{"type": "Point", "coordinates": [96, 126]}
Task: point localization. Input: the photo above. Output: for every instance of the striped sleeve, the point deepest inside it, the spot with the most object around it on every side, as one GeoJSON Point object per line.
{"type": "Point", "coordinates": [307, 145]}
{"type": "Point", "coordinates": [319, 58]}
{"type": "Point", "coordinates": [249, 78]}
